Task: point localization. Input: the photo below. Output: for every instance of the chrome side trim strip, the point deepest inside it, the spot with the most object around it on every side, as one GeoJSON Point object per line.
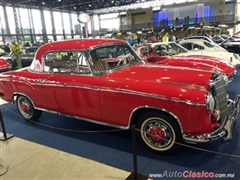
{"type": "Point", "coordinates": [76, 117]}
{"type": "Point", "coordinates": [133, 93]}
{"type": "Point", "coordinates": [85, 119]}
{"type": "Point", "coordinates": [62, 85]}
{"type": "Point", "coordinates": [147, 95]}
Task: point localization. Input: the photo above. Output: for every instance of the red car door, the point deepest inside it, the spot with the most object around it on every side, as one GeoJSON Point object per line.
{"type": "Point", "coordinates": [75, 95]}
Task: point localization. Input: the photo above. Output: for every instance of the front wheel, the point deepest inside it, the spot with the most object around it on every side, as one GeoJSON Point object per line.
{"type": "Point", "coordinates": [26, 109]}
{"type": "Point", "coordinates": [159, 132]}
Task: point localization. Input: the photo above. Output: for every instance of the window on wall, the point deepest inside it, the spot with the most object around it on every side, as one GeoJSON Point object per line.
{"type": "Point", "coordinates": [37, 23]}
{"type": "Point", "coordinates": [66, 21]}
{"type": "Point", "coordinates": [110, 24]}
{"type": "Point", "coordinates": [74, 21]}
{"type": "Point", "coordinates": [57, 22]}
{"type": "Point", "coordinates": [48, 23]}
{"type": "Point", "coordinates": [109, 21]}
{"type": "Point", "coordinates": [24, 21]}
{"type": "Point", "coordinates": [2, 20]}
{"type": "Point", "coordinates": [96, 22]}
{"type": "Point", "coordinates": [11, 20]}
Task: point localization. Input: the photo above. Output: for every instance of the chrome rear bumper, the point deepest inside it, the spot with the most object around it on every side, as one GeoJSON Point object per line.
{"type": "Point", "coordinates": [225, 131]}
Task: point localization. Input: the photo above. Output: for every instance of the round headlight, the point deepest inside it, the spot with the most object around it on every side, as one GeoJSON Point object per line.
{"type": "Point", "coordinates": [210, 102]}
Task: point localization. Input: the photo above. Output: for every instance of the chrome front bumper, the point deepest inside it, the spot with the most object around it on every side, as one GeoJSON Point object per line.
{"type": "Point", "coordinates": [232, 118]}
{"type": "Point", "coordinates": [225, 131]}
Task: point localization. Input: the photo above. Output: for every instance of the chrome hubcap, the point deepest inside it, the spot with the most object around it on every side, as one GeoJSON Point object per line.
{"type": "Point", "coordinates": [157, 133]}
{"type": "Point", "coordinates": [25, 107]}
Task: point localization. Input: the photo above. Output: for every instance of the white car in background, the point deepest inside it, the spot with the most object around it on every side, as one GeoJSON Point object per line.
{"type": "Point", "coordinates": [204, 38]}
{"type": "Point", "coordinates": [174, 49]}
{"type": "Point", "coordinates": [203, 47]}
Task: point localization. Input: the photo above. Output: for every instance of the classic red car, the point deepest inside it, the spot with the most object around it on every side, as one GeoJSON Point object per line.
{"type": "Point", "coordinates": [104, 81]}
{"type": "Point", "coordinates": [194, 61]}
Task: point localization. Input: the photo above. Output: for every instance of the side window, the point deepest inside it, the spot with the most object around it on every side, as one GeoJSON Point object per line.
{"type": "Point", "coordinates": [66, 62]}
{"type": "Point", "coordinates": [108, 58]}
{"type": "Point", "coordinates": [187, 46]}
{"type": "Point", "coordinates": [197, 47]}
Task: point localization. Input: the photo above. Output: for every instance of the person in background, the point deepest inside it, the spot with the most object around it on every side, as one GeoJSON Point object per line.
{"type": "Point", "coordinates": [209, 35]}
{"type": "Point", "coordinates": [177, 38]}
{"type": "Point", "coordinates": [173, 39]}
{"type": "Point", "coordinates": [177, 21]}
{"type": "Point", "coordinates": [143, 41]}
{"type": "Point", "coordinates": [129, 40]}
{"type": "Point", "coordinates": [165, 37]}
{"type": "Point", "coordinates": [26, 44]}
{"type": "Point", "coordinates": [7, 48]}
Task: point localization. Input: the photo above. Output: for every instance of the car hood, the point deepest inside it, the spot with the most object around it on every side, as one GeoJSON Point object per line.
{"type": "Point", "coordinates": [154, 73]}
{"type": "Point", "coordinates": [202, 62]}
{"type": "Point", "coordinates": [225, 56]}
{"type": "Point", "coordinates": [237, 43]}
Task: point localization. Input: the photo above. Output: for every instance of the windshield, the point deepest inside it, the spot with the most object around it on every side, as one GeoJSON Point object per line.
{"type": "Point", "coordinates": [212, 46]}
{"type": "Point", "coordinates": [169, 49]}
{"type": "Point", "coordinates": [228, 38]}
{"type": "Point", "coordinates": [112, 57]}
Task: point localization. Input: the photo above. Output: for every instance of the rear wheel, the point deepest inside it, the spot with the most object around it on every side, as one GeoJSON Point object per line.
{"type": "Point", "coordinates": [159, 132]}
{"type": "Point", "coordinates": [26, 109]}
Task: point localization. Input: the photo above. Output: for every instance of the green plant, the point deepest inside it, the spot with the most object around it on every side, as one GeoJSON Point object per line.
{"type": "Point", "coordinates": [16, 54]}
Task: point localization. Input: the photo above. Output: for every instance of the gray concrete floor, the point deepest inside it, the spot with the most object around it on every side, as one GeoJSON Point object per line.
{"type": "Point", "coordinates": [24, 160]}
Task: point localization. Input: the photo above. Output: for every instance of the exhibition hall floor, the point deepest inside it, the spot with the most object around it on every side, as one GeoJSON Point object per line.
{"type": "Point", "coordinates": [24, 160]}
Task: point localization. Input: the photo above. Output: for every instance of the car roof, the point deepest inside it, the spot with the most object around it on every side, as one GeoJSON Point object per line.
{"type": "Point", "coordinates": [197, 37]}
{"type": "Point", "coordinates": [194, 40]}
{"type": "Point", "coordinates": [77, 44]}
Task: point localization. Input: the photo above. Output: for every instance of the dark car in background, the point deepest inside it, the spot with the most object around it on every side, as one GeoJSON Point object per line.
{"type": "Point", "coordinates": [2, 50]}
{"type": "Point", "coordinates": [27, 56]}
{"type": "Point", "coordinates": [227, 42]}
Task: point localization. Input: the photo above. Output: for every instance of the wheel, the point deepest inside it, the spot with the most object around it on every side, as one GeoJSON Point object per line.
{"type": "Point", "coordinates": [26, 109]}
{"type": "Point", "coordinates": [159, 132]}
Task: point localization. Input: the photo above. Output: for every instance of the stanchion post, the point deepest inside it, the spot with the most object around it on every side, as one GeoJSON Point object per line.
{"type": "Point", "coordinates": [134, 175]}
{"type": "Point", "coordinates": [5, 136]}
{"type": "Point", "coordinates": [134, 151]}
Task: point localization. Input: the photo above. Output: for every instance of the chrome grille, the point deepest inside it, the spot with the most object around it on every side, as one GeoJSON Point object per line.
{"type": "Point", "coordinates": [220, 94]}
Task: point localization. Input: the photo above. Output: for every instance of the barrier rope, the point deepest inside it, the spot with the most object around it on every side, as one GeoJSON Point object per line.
{"type": "Point", "coordinates": [116, 130]}
{"type": "Point", "coordinates": [201, 149]}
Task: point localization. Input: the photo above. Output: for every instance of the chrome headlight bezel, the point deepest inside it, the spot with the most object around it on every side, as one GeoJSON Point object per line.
{"type": "Point", "coordinates": [225, 78]}
{"type": "Point", "coordinates": [210, 101]}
